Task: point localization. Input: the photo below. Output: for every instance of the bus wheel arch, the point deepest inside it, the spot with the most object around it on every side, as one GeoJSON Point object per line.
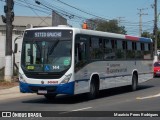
{"type": "Point", "coordinates": [134, 81]}
{"type": "Point", "coordinates": [94, 86]}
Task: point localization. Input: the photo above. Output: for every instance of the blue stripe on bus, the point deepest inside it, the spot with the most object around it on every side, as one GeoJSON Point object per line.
{"type": "Point", "coordinates": [142, 39]}
{"type": "Point", "coordinates": [102, 78]}
{"type": "Point", "coordinates": [67, 88]}
{"type": "Point", "coordinates": [112, 77]}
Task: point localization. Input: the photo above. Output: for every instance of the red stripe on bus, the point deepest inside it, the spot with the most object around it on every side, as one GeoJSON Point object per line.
{"type": "Point", "coordinates": [132, 37]}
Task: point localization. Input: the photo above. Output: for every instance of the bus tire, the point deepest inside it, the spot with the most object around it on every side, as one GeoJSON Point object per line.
{"type": "Point", "coordinates": [134, 82]}
{"type": "Point", "coordinates": [50, 97]}
{"type": "Point", "coordinates": [94, 90]}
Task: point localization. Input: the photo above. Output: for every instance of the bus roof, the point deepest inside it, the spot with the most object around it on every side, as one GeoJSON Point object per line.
{"type": "Point", "coordinates": [96, 33]}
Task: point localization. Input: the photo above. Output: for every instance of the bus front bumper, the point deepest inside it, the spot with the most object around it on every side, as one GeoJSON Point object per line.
{"type": "Point", "coordinates": [67, 88]}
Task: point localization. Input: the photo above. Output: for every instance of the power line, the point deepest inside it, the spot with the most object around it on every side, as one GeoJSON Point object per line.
{"type": "Point", "coordinates": [120, 20]}
{"type": "Point", "coordinates": [40, 3]}
{"type": "Point", "coordinates": [22, 5]}
{"type": "Point", "coordinates": [70, 16]}
{"type": "Point", "coordinates": [82, 10]}
{"type": "Point", "coordinates": [43, 20]}
{"type": "Point", "coordinates": [60, 11]}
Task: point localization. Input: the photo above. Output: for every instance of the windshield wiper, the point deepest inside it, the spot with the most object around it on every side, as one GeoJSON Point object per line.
{"type": "Point", "coordinates": [53, 47]}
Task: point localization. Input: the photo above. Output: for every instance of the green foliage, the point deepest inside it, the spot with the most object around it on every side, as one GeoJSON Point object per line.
{"type": "Point", "coordinates": [147, 35]}
{"type": "Point", "coordinates": [106, 26]}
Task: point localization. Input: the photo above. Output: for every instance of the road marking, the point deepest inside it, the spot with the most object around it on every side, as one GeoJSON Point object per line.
{"type": "Point", "coordinates": [148, 97]}
{"type": "Point", "coordinates": [82, 109]}
{"type": "Point", "coordinates": [76, 110]}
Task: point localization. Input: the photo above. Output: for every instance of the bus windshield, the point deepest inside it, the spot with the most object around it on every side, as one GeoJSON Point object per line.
{"type": "Point", "coordinates": [46, 54]}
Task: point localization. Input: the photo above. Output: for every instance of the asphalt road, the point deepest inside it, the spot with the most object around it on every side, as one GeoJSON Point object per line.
{"type": "Point", "coordinates": [146, 98]}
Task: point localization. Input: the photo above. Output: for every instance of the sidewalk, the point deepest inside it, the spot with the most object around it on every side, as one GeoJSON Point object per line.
{"type": "Point", "coordinates": [12, 93]}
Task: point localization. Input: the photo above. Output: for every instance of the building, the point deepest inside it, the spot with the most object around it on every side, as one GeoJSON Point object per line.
{"type": "Point", "coordinates": [19, 25]}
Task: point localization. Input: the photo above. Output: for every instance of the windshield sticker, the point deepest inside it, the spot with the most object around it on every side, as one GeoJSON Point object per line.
{"type": "Point", "coordinates": [47, 68]}
{"type": "Point", "coordinates": [66, 62]}
{"type": "Point", "coordinates": [30, 67]}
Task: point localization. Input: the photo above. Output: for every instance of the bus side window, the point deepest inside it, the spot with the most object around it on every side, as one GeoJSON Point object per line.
{"type": "Point", "coordinates": [80, 52]}
{"type": "Point", "coordinates": [80, 55]}
{"type": "Point", "coordinates": [109, 52]}
{"type": "Point", "coordinates": [139, 54]}
{"type": "Point", "coordinates": [96, 48]}
{"type": "Point", "coordinates": [130, 52]}
{"type": "Point", "coordinates": [120, 52]}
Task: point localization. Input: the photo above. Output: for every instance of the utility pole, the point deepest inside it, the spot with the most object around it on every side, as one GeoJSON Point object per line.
{"type": "Point", "coordinates": [155, 31]}
{"type": "Point", "coordinates": [8, 19]}
{"type": "Point", "coordinates": [140, 20]}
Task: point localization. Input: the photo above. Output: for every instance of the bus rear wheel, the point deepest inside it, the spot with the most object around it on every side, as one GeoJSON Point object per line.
{"type": "Point", "coordinates": [134, 83]}
{"type": "Point", "coordinates": [50, 97]}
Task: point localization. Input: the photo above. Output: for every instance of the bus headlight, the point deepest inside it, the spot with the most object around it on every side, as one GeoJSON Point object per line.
{"type": "Point", "coordinates": [21, 78]}
{"type": "Point", "coordinates": [66, 79]}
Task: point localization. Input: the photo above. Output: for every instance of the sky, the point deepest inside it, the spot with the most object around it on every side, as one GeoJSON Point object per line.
{"type": "Point", "coordinates": [126, 11]}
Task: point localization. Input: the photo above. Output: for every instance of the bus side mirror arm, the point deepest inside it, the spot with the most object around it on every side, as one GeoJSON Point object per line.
{"type": "Point", "coordinates": [15, 47]}
{"type": "Point", "coordinates": [15, 44]}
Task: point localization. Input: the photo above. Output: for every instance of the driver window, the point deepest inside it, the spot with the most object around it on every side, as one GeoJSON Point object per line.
{"type": "Point", "coordinates": [80, 52]}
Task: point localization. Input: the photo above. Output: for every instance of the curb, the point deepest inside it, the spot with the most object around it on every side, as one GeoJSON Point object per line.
{"type": "Point", "coordinates": [11, 93]}
{"type": "Point", "coordinates": [9, 90]}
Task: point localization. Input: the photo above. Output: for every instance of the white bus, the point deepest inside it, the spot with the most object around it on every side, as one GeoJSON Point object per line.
{"type": "Point", "coordinates": [65, 60]}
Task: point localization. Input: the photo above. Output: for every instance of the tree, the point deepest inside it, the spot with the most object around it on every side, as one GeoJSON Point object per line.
{"type": "Point", "coordinates": [105, 26]}
{"type": "Point", "coordinates": [147, 35]}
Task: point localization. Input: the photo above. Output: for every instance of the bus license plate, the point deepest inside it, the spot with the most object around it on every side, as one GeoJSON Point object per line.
{"type": "Point", "coordinates": [42, 91]}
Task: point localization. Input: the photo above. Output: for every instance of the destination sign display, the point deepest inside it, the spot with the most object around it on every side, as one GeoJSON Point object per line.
{"type": "Point", "coordinates": [48, 34]}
